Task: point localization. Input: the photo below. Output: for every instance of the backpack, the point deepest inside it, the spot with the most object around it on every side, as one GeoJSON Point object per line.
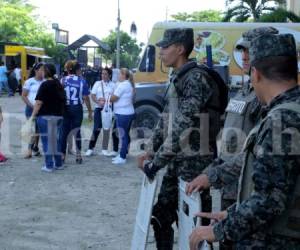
{"type": "Point", "coordinates": [222, 86]}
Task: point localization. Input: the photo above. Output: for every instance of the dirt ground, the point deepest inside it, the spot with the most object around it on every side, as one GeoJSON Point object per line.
{"type": "Point", "coordinates": [89, 206]}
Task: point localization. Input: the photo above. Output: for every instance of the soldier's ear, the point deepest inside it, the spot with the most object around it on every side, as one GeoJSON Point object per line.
{"type": "Point", "coordinates": [181, 49]}
{"type": "Point", "coordinates": [255, 75]}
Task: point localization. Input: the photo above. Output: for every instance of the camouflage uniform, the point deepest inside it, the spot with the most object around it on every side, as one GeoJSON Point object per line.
{"type": "Point", "coordinates": [268, 177]}
{"type": "Point", "coordinates": [243, 112]}
{"type": "Point", "coordinates": [176, 139]}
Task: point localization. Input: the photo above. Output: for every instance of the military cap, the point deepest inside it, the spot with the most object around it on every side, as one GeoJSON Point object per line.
{"type": "Point", "coordinates": [178, 35]}
{"type": "Point", "coordinates": [270, 45]}
{"type": "Point", "coordinates": [253, 33]}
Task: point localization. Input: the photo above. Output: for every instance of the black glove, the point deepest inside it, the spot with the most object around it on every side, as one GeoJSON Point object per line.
{"type": "Point", "coordinates": [150, 170]}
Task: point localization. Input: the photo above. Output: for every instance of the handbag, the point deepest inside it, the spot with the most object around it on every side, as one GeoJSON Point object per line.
{"type": "Point", "coordinates": [107, 114]}
{"type": "Point", "coordinates": [28, 130]}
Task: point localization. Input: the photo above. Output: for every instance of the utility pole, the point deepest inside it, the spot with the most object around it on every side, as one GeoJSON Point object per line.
{"type": "Point", "coordinates": [118, 37]}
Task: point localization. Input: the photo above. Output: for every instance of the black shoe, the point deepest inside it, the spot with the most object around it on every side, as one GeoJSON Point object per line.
{"type": "Point", "coordinates": [79, 160]}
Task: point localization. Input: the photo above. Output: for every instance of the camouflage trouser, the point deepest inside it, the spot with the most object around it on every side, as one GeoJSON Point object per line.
{"type": "Point", "coordinates": [268, 242]}
{"type": "Point", "coordinates": [166, 208]}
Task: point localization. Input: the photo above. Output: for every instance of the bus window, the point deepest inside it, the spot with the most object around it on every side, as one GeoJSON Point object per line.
{"type": "Point", "coordinates": [148, 61]}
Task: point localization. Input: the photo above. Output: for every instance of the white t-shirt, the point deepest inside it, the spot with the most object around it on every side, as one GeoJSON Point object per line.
{"type": "Point", "coordinates": [124, 105]}
{"type": "Point", "coordinates": [32, 86]}
{"type": "Point", "coordinates": [18, 73]}
{"type": "Point", "coordinates": [108, 88]}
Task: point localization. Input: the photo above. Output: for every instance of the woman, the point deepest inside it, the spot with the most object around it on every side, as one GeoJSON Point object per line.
{"type": "Point", "coordinates": [77, 92]}
{"type": "Point", "coordinates": [124, 111]}
{"type": "Point", "coordinates": [30, 89]}
{"type": "Point", "coordinates": [101, 89]}
{"type": "Point", "coordinates": [48, 111]}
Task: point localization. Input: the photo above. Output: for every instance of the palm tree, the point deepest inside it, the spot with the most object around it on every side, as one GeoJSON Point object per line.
{"type": "Point", "coordinates": [242, 10]}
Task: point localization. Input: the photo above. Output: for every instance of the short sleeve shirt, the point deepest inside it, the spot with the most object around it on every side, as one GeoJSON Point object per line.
{"type": "Point", "coordinates": [75, 87]}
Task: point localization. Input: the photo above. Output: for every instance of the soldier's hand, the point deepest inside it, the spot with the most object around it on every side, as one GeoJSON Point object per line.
{"type": "Point", "coordinates": [215, 217]}
{"type": "Point", "coordinates": [198, 184]}
{"type": "Point", "coordinates": [141, 160]}
{"type": "Point", "coordinates": [200, 234]}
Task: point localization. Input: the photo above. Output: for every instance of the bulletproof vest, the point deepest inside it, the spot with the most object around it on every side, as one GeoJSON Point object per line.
{"type": "Point", "coordinates": [288, 223]}
{"type": "Point", "coordinates": [211, 107]}
{"type": "Point", "coordinates": [242, 114]}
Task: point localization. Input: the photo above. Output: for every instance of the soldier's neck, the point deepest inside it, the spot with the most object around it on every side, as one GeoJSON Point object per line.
{"type": "Point", "coordinates": [273, 90]}
{"type": "Point", "coordinates": [180, 62]}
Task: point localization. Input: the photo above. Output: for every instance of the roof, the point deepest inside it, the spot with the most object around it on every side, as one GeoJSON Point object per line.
{"type": "Point", "coordinates": [86, 38]}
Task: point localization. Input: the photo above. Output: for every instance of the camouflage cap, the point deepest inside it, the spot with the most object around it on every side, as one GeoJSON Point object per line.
{"type": "Point", "coordinates": [272, 45]}
{"type": "Point", "coordinates": [178, 35]}
{"type": "Point", "coordinates": [249, 35]}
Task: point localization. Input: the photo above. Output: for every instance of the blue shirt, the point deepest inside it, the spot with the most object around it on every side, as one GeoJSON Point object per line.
{"type": "Point", "coordinates": [75, 88]}
{"type": "Point", "coordinates": [3, 71]}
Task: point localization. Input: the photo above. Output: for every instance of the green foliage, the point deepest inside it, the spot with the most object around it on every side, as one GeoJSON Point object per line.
{"type": "Point", "coordinates": [243, 10]}
{"type": "Point", "coordinates": [19, 25]}
{"type": "Point", "coordinates": [280, 16]}
{"type": "Point", "coordinates": [199, 16]}
{"type": "Point", "coordinates": [129, 49]}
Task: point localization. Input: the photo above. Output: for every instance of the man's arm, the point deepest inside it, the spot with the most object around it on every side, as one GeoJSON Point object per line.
{"type": "Point", "coordinates": [273, 181]}
{"type": "Point", "coordinates": [221, 173]}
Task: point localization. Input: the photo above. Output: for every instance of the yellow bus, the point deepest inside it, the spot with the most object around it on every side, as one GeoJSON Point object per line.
{"type": "Point", "coordinates": [24, 56]}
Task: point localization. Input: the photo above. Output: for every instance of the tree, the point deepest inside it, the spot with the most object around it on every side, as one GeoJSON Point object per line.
{"type": "Point", "coordinates": [280, 16]}
{"type": "Point", "coordinates": [242, 10]}
{"type": "Point", "coordinates": [19, 25]}
{"type": "Point", "coordinates": [199, 16]}
{"type": "Point", "coordinates": [129, 49]}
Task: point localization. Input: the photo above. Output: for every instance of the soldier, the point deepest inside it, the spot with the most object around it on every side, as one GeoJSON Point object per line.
{"type": "Point", "coordinates": [193, 104]}
{"type": "Point", "coordinates": [243, 112]}
{"type": "Point", "coordinates": [267, 214]}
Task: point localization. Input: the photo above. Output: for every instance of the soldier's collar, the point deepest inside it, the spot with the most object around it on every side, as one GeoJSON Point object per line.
{"type": "Point", "coordinates": [192, 63]}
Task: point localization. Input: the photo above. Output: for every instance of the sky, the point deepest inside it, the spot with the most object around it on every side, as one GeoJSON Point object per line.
{"type": "Point", "coordinates": [98, 17]}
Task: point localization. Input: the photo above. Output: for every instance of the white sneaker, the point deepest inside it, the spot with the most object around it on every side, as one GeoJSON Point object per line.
{"type": "Point", "coordinates": [113, 153]}
{"type": "Point", "coordinates": [119, 161]}
{"type": "Point", "coordinates": [48, 170]}
{"type": "Point", "coordinates": [89, 152]}
{"type": "Point", "coordinates": [116, 158]}
{"type": "Point", "coordinates": [105, 152]}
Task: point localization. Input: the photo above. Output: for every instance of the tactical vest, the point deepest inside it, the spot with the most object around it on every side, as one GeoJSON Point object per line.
{"type": "Point", "coordinates": [288, 223]}
{"type": "Point", "coordinates": [242, 114]}
{"type": "Point", "coordinates": [211, 108]}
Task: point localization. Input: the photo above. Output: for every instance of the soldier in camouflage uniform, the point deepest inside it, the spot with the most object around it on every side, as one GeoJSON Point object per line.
{"type": "Point", "coordinates": [191, 113]}
{"type": "Point", "coordinates": [242, 113]}
{"type": "Point", "coordinates": [267, 213]}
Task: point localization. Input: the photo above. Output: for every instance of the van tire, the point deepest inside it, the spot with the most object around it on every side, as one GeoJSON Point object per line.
{"type": "Point", "coordinates": [146, 119]}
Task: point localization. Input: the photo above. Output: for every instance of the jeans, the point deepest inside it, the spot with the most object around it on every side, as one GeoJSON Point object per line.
{"type": "Point", "coordinates": [71, 125]}
{"type": "Point", "coordinates": [4, 85]}
{"type": "Point", "coordinates": [123, 124]}
{"type": "Point", "coordinates": [50, 128]}
{"type": "Point", "coordinates": [96, 131]}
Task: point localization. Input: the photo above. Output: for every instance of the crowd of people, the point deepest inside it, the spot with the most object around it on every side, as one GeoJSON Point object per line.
{"type": "Point", "coordinates": [55, 107]}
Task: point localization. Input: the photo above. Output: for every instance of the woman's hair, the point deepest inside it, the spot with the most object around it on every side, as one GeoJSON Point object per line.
{"type": "Point", "coordinates": [35, 68]}
{"type": "Point", "coordinates": [128, 75]}
{"type": "Point", "coordinates": [109, 71]}
{"type": "Point", "coordinates": [50, 70]}
{"type": "Point", "coordinates": [72, 66]}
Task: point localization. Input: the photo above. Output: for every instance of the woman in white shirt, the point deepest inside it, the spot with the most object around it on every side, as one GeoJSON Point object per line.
{"type": "Point", "coordinates": [101, 90]}
{"type": "Point", "coordinates": [30, 89]}
{"type": "Point", "coordinates": [124, 111]}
